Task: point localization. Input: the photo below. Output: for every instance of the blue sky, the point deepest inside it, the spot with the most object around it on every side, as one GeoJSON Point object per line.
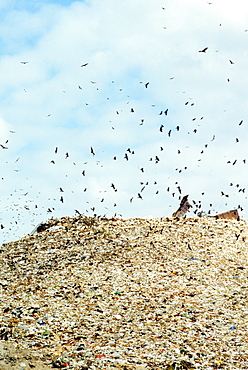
{"type": "Point", "coordinates": [73, 76]}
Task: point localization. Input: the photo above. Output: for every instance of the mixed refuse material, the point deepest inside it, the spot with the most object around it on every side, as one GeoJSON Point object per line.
{"type": "Point", "coordinates": [95, 293]}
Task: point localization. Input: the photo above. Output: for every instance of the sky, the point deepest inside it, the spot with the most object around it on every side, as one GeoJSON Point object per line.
{"type": "Point", "coordinates": [119, 108]}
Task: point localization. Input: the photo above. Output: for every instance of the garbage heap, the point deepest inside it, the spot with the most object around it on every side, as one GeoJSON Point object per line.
{"type": "Point", "coordinates": [90, 293]}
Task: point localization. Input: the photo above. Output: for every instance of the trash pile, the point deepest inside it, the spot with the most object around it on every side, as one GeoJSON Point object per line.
{"type": "Point", "coordinates": [93, 293]}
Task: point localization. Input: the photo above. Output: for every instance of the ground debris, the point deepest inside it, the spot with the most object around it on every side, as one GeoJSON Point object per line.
{"type": "Point", "coordinates": [97, 293]}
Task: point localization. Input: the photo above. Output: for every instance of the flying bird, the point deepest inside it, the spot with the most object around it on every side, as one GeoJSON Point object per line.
{"type": "Point", "coordinates": [84, 65]}
{"type": "Point", "coordinates": [146, 85]}
{"type": "Point", "coordinates": [203, 50]}
{"type": "Point", "coordinates": [231, 61]}
{"type": "Point", "coordinates": [24, 62]}
{"type": "Point", "coordinates": [92, 150]}
{"type": "Point", "coordinates": [157, 159]}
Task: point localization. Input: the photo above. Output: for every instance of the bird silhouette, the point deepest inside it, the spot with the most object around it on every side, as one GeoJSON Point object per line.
{"type": "Point", "coordinates": [203, 50]}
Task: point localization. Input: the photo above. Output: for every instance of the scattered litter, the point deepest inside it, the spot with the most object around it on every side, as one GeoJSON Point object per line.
{"type": "Point", "coordinates": [93, 293]}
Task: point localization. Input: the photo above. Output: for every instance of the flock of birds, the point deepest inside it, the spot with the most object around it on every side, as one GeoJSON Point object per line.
{"type": "Point", "coordinates": [26, 199]}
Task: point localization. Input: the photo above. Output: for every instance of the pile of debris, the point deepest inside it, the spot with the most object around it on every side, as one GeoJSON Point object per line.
{"type": "Point", "coordinates": [95, 293]}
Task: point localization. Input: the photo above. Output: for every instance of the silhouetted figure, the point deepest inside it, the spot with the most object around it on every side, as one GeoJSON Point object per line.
{"type": "Point", "coordinates": [183, 208]}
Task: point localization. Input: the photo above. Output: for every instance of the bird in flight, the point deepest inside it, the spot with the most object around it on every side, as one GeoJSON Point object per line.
{"type": "Point", "coordinates": [24, 62]}
{"type": "Point", "coordinates": [84, 65]}
{"type": "Point", "coordinates": [203, 50]}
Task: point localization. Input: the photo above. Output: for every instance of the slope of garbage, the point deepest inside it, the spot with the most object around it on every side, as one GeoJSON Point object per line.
{"type": "Point", "coordinates": [93, 293]}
